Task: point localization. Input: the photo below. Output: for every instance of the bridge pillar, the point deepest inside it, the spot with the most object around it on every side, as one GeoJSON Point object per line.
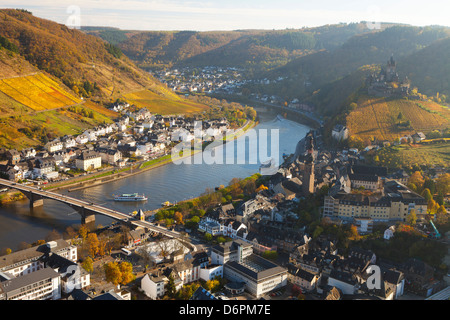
{"type": "Point", "coordinates": [35, 200]}
{"type": "Point", "coordinates": [87, 218]}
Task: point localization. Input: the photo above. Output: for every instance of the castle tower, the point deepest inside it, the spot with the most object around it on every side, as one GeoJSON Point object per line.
{"type": "Point", "coordinates": [391, 70]}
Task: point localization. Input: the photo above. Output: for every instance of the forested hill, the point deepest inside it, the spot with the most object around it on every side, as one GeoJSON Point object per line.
{"type": "Point", "coordinates": [86, 64]}
{"type": "Point", "coordinates": [374, 48]}
{"type": "Point", "coordinates": [429, 68]}
{"type": "Point", "coordinates": [254, 49]}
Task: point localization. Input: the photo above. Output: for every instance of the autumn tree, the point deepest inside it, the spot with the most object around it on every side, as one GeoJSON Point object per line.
{"type": "Point", "coordinates": [88, 264]}
{"type": "Point", "coordinates": [5, 251]}
{"type": "Point", "coordinates": [113, 273]}
{"type": "Point", "coordinates": [417, 179]}
{"type": "Point", "coordinates": [178, 217]}
{"type": "Point", "coordinates": [261, 188]}
{"type": "Point", "coordinates": [353, 232]}
{"type": "Point", "coordinates": [212, 285]}
{"type": "Point", "coordinates": [443, 183]}
{"type": "Point", "coordinates": [83, 231]}
{"type": "Point", "coordinates": [70, 233]}
{"type": "Point", "coordinates": [93, 244]}
{"type": "Point", "coordinates": [126, 269]}
{"type": "Point", "coordinates": [427, 194]}
{"type": "Point", "coordinates": [411, 218]}
{"type": "Point", "coordinates": [119, 273]}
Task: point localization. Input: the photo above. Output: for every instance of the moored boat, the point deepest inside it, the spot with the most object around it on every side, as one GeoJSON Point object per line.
{"type": "Point", "coordinates": [130, 197]}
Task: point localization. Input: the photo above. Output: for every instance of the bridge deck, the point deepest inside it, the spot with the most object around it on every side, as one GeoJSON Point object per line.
{"type": "Point", "coordinates": [97, 209]}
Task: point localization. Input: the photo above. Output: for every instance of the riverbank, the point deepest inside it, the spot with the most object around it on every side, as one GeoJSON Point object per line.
{"type": "Point", "coordinates": [9, 197]}
{"type": "Point", "coordinates": [138, 168]}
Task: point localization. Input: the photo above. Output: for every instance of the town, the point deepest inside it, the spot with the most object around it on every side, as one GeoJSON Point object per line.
{"type": "Point", "coordinates": [301, 234]}
{"type": "Point", "coordinates": [136, 137]}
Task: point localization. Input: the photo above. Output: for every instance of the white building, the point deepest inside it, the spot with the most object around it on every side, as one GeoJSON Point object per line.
{"type": "Point", "coordinates": [211, 272]}
{"type": "Point", "coordinates": [82, 139]}
{"type": "Point", "coordinates": [54, 146]}
{"type": "Point", "coordinates": [44, 284]}
{"type": "Point", "coordinates": [27, 261]}
{"type": "Point", "coordinates": [389, 233]}
{"type": "Point", "coordinates": [340, 132]}
{"type": "Point", "coordinates": [153, 286]}
{"type": "Point", "coordinates": [88, 161]}
{"type": "Point", "coordinates": [241, 265]}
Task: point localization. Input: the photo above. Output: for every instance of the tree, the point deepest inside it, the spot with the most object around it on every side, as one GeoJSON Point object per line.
{"type": "Point", "coordinates": [426, 193]}
{"type": "Point", "coordinates": [170, 288]}
{"type": "Point", "coordinates": [6, 251]}
{"type": "Point", "coordinates": [93, 243]}
{"type": "Point", "coordinates": [70, 233]}
{"type": "Point", "coordinates": [417, 179]}
{"type": "Point", "coordinates": [261, 188]}
{"type": "Point", "coordinates": [112, 272]}
{"type": "Point", "coordinates": [119, 273]}
{"type": "Point", "coordinates": [126, 269]}
{"type": "Point", "coordinates": [88, 264]}
{"type": "Point", "coordinates": [443, 183]}
{"type": "Point", "coordinates": [208, 237]}
{"type": "Point", "coordinates": [317, 232]}
{"type": "Point", "coordinates": [178, 217]}
{"type": "Point", "coordinates": [212, 285]}
{"type": "Point", "coordinates": [53, 235]}
{"type": "Point", "coordinates": [354, 232]}
{"type": "Point", "coordinates": [441, 215]}
{"type": "Point", "coordinates": [83, 231]}
{"type": "Point", "coordinates": [411, 218]}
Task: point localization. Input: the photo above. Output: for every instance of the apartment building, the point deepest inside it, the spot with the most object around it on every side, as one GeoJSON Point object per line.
{"type": "Point", "coordinates": [44, 284]}
{"type": "Point", "coordinates": [394, 203]}
{"type": "Point", "coordinates": [27, 261]}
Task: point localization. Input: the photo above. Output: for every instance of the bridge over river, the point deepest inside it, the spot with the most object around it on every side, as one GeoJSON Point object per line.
{"type": "Point", "coordinates": [87, 210]}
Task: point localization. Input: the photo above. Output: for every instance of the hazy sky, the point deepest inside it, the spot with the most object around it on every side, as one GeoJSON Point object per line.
{"type": "Point", "coordinates": [233, 14]}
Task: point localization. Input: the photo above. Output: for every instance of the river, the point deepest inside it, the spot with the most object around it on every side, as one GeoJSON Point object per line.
{"type": "Point", "coordinates": [171, 182]}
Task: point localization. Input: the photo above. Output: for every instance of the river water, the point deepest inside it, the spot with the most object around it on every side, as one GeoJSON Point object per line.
{"type": "Point", "coordinates": [171, 182]}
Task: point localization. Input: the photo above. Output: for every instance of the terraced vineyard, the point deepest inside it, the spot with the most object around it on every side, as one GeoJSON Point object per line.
{"type": "Point", "coordinates": [162, 105]}
{"type": "Point", "coordinates": [37, 92]}
{"type": "Point", "coordinates": [379, 118]}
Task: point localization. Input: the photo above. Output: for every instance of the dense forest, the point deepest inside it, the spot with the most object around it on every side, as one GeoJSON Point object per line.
{"type": "Point", "coordinates": [257, 50]}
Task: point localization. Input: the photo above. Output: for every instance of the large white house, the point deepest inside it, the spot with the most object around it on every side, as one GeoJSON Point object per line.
{"type": "Point", "coordinates": [259, 275]}
{"type": "Point", "coordinates": [89, 160]}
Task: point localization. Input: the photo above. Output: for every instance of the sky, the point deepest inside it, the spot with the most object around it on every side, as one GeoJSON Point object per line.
{"type": "Point", "coordinates": [211, 15]}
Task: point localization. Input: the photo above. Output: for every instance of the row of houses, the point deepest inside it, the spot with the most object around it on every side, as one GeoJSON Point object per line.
{"type": "Point", "coordinates": [147, 136]}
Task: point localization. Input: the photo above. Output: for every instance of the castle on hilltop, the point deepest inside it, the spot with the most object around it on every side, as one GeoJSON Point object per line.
{"type": "Point", "coordinates": [387, 83]}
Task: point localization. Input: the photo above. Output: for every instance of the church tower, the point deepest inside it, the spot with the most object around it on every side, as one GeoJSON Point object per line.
{"type": "Point", "coordinates": [308, 184]}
